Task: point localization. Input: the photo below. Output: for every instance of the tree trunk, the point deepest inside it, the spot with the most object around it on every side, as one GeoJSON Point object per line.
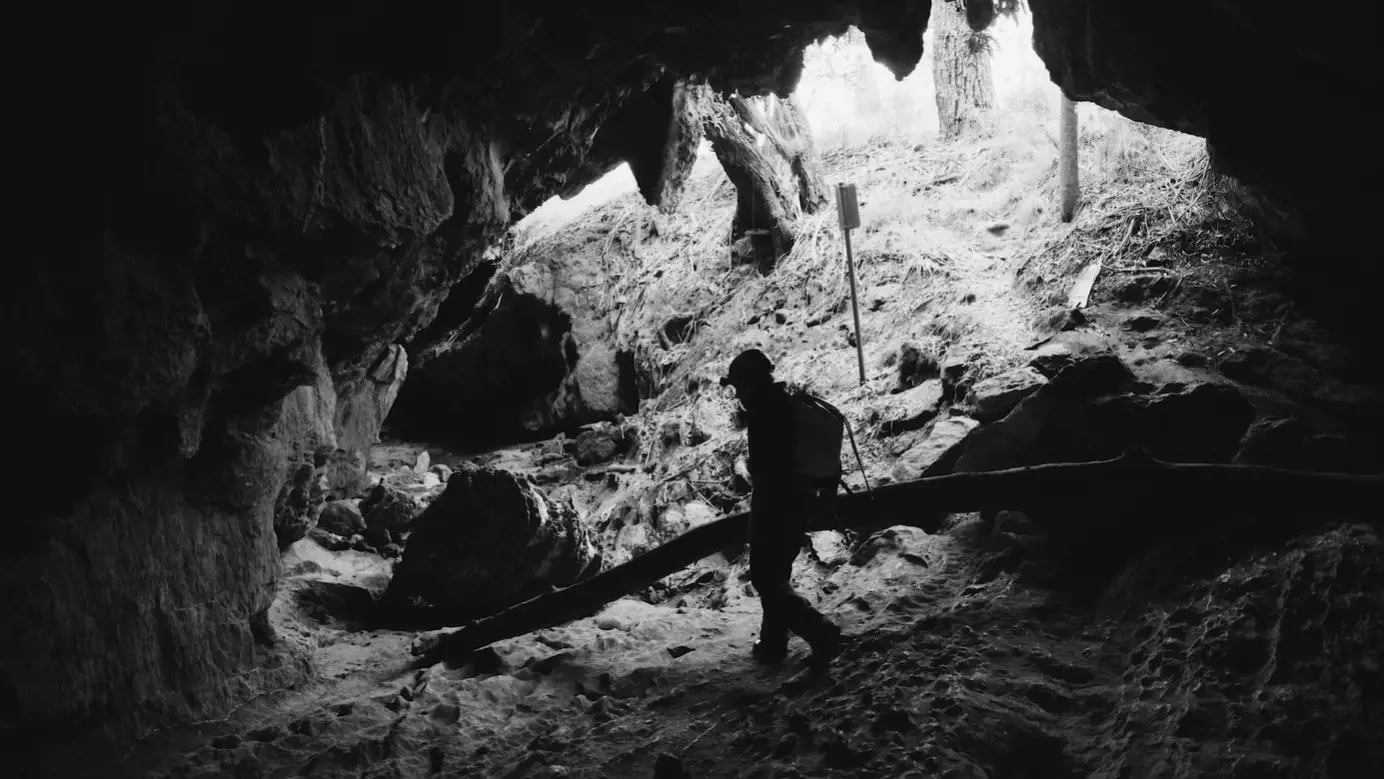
{"type": "Point", "coordinates": [1195, 499]}
{"type": "Point", "coordinates": [762, 204]}
{"type": "Point", "coordinates": [960, 71]}
{"type": "Point", "coordinates": [785, 125]}
{"type": "Point", "coordinates": [1068, 180]}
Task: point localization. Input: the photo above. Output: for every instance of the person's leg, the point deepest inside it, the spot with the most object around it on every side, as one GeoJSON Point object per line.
{"type": "Point", "coordinates": [771, 565]}
{"type": "Point", "coordinates": [799, 614]}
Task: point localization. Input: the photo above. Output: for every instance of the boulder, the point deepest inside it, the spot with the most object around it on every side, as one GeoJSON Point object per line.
{"type": "Point", "coordinates": [1292, 443]}
{"type": "Point", "coordinates": [490, 540]}
{"type": "Point", "coordinates": [993, 398]}
{"type": "Point", "coordinates": [1093, 410]}
{"type": "Point", "coordinates": [341, 517]}
{"type": "Point", "coordinates": [1346, 405]}
{"type": "Point", "coordinates": [936, 453]}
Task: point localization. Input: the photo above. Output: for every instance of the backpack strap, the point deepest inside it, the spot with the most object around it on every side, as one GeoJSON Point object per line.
{"type": "Point", "coordinates": [812, 400]}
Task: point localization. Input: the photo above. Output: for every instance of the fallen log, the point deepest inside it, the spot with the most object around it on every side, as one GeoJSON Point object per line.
{"type": "Point", "coordinates": [1199, 491]}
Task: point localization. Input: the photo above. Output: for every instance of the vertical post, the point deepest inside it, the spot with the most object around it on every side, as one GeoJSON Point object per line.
{"type": "Point", "coordinates": [849, 211]}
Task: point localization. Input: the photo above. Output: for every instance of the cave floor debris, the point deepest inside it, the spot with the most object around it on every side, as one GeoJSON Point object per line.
{"type": "Point", "coordinates": [960, 661]}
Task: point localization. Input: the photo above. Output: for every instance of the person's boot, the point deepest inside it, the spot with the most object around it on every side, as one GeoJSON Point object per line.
{"type": "Point", "coordinates": [770, 652]}
{"type": "Point", "coordinates": [825, 646]}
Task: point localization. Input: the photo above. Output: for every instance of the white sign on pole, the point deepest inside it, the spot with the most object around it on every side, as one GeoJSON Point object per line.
{"type": "Point", "coordinates": [846, 206]}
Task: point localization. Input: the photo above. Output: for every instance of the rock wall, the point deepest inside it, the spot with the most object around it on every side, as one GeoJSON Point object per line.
{"type": "Point", "coordinates": [538, 355]}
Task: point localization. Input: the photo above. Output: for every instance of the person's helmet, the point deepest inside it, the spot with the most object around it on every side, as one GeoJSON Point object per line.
{"type": "Point", "coordinates": [749, 367]}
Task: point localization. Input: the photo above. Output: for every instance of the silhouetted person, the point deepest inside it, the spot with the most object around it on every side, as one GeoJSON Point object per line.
{"type": "Point", "coordinates": [779, 507]}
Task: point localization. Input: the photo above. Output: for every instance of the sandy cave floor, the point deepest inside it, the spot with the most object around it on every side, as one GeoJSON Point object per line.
{"type": "Point", "coordinates": [972, 653]}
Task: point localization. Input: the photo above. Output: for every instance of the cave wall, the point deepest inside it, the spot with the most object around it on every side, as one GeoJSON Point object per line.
{"type": "Point", "coordinates": [1277, 92]}
{"type": "Point", "coordinates": [216, 201]}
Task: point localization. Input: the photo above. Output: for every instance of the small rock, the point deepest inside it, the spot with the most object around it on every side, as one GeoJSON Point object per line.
{"type": "Point", "coordinates": [391, 550]}
{"type": "Point", "coordinates": [595, 446]}
{"type": "Point", "coordinates": [328, 540]}
{"type": "Point", "coordinates": [1132, 291]}
{"type": "Point", "coordinates": [1143, 322]}
{"type": "Point", "coordinates": [1075, 318]}
{"type": "Point", "coordinates": [388, 509]}
{"type": "Point", "coordinates": [229, 741]}
{"type": "Point", "coordinates": [911, 410]}
{"type": "Point", "coordinates": [421, 464]}
{"type": "Point", "coordinates": [249, 767]}
{"type": "Point", "coordinates": [1158, 257]}
{"type": "Point", "coordinates": [443, 471]}
{"type": "Point", "coordinates": [341, 517]}
{"type": "Point", "coordinates": [264, 734]}
{"type": "Point", "coordinates": [997, 396]}
{"type": "Point", "coordinates": [1191, 359]}
{"type": "Point", "coordinates": [915, 366]}
{"type": "Point", "coordinates": [829, 547]}
{"type": "Point", "coordinates": [892, 720]}
{"type": "Point", "coordinates": [669, 767]}
{"type": "Point", "coordinates": [305, 567]}
{"type": "Point", "coordinates": [955, 365]}
{"type": "Point", "coordinates": [1051, 358]}
{"type": "Point", "coordinates": [680, 650]}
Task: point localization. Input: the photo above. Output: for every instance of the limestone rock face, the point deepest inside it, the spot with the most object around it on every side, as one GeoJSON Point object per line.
{"type": "Point", "coordinates": [490, 540]}
{"type": "Point", "coordinates": [537, 355]}
{"type": "Point", "coordinates": [306, 426]}
{"type": "Point", "coordinates": [363, 403]}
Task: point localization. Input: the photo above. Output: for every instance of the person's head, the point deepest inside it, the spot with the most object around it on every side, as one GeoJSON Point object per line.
{"type": "Point", "coordinates": [749, 373]}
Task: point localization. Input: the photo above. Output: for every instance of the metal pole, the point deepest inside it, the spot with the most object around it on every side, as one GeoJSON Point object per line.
{"type": "Point", "coordinates": [855, 309]}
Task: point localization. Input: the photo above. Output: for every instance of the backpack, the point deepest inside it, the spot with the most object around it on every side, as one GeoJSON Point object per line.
{"type": "Point", "coordinates": [818, 428]}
